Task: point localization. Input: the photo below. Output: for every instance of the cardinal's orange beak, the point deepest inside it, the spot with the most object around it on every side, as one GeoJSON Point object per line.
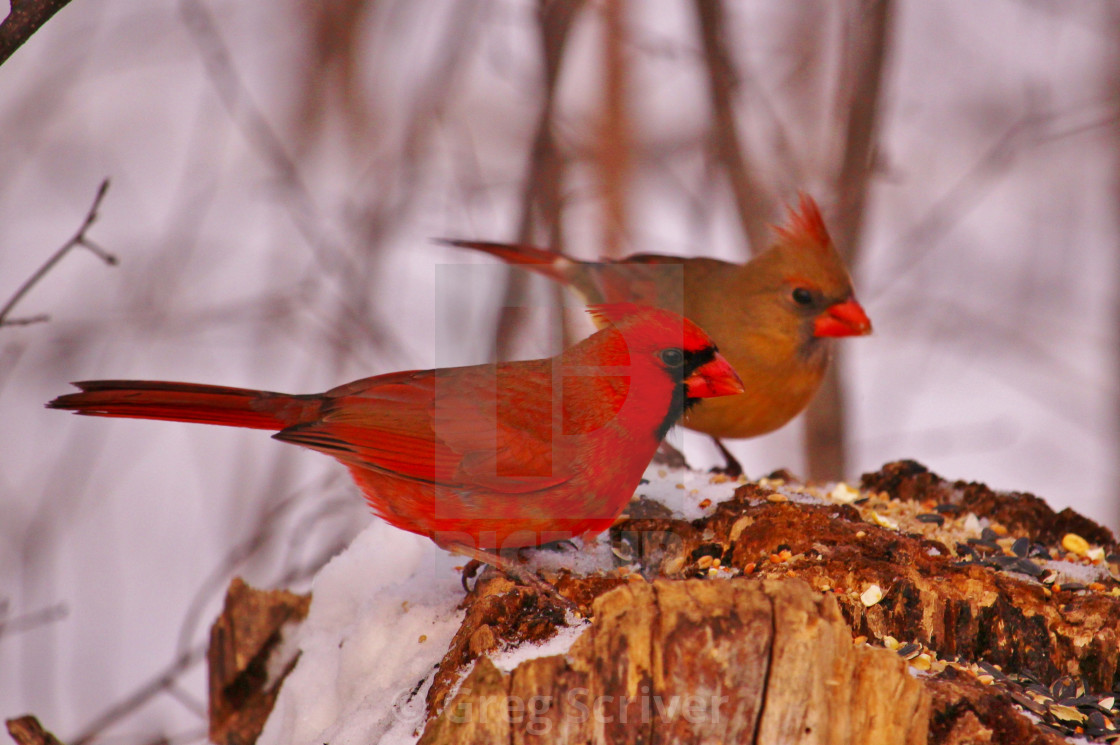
{"type": "Point", "coordinates": [714, 378]}
{"type": "Point", "coordinates": [843, 319]}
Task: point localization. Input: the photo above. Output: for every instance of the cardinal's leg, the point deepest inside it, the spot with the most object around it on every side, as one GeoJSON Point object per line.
{"type": "Point", "coordinates": [510, 568]}
{"type": "Point", "coordinates": [733, 469]}
{"type": "Point", "coordinates": [667, 455]}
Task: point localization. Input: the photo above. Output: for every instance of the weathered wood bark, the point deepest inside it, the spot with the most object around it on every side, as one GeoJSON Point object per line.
{"type": "Point", "coordinates": [24, 18]}
{"type": "Point", "coordinates": [26, 730]}
{"type": "Point", "coordinates": [698, 661]}
{"type": "Point", "coordinates": [1015, 643]}
{"type": "Point", "coordinates": [241, 641]}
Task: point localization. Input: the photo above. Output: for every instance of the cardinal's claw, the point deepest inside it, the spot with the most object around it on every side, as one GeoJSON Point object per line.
{"type": "Point", "coordinates": [469, 572]}
{"type": "Point", "coordinates": [511, 569]}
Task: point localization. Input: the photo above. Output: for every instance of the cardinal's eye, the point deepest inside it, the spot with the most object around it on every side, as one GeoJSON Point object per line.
{"type": "Point", "coordinates": [672, 357]}
{"type": "Point", "coordinates": [801, 296]}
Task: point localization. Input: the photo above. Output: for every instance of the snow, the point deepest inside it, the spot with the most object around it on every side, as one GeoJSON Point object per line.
{"type": "Point", "coordinates": [382, 615]}
{"type": "Point", "coordinates": [508, 659]}
{"type": "Point", "coordinates": [1071, 571]}
{"type": "Point", "coordinates": [683, 490]}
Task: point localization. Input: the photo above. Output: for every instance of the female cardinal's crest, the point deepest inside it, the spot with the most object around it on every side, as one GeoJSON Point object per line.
{"type": "Point", "coordinates": [804, 224]}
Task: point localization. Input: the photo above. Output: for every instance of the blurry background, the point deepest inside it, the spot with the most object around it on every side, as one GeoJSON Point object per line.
{"type": "Point", "coordinates": [278, 171]}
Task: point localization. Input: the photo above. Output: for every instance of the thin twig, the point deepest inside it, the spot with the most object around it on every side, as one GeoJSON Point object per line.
{"type": "Point", "coordinates": [189, 702]}
{"type": "Point", "coordinates": [199, 734]}
{"type": "Point", "coordinates": [26, 17]}
{"type": "Point", "coordinates": [163, 682]}
{"type": "Point", "coordinates": [267, 528]}
{"type": "Point", "coordinates": [950, 208]}
{"type": "Point", "coordinates": [79, 239]}
{"type": "Point", "coordinates": [335, 258]}
{"type": "Point", "coordinates": [34, 620]}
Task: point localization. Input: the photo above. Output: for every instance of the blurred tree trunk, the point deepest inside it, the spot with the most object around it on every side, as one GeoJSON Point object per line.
{"type": "Point", "coordinates": [333, 82]}
{"type": "Point", "coordinates": [867, 47]}
{"type": "Point", "coordinates": [614, 153]}
{"type": "Point", "coordinates": [541, 205]}
{"type": "Point", "coordinates": [1113, 83]}
{"type": "Point", "coordinates": [754, 205]}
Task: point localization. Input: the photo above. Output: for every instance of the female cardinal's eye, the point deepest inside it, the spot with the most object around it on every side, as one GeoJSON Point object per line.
{"type": "Point", "coordinates": [801, 296]}
{"type": "Point", "coordinates": [672, 357]}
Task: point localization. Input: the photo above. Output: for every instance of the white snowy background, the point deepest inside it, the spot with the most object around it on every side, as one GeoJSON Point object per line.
{"type": "Point", "coordinates": [989, 268]}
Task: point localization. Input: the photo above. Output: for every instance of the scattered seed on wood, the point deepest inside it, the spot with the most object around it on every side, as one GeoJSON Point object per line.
{"type": "Point", "coordinates": [883, 521]}
{"type": "Point", "coordinates": [1038, 551]}
{"type": "Point", "coordinates": [1028, 567]}
{"type": "Point", "coordinates": [871, 596]}
{"type": "Point", "coordinates": [1065, 687]}
{"type": "Point", "coordinates": [909, 650]}
{"type": "Point", "coordinates": [843, 493]}
{"type": "Point", "coordinates": [1075, 544]}
{"type": "Point", "coordinates": [1066, 713]}
{"type": "Point", "coordinates": [1003, 562]}
{"type": "Point", "coordinates": [740, 525]}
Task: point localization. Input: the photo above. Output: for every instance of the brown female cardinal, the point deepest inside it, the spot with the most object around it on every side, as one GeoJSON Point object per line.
{"type": "Point", "coordinates": [773, 317]}
{"type": "Point", "coordinates": [484, 457]}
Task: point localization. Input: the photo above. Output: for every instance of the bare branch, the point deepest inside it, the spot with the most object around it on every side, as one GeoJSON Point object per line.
{"type": "Point", "coordinates": [267, 530]}
{"type": "Point", "coordinates": [336, 261]}
{"type": "Point", "coordinates": [79, 239]}
{"type": "Point", "coordinates": [1030, 130]}
{"type": "Point", "coordinates": [26, 17]}
{"type": "Point", "coordinates": [33, 620]}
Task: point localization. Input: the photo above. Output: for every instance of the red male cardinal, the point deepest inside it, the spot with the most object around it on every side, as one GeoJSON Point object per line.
{"type": "Point", "coordinates": [773, 316]}
{"type": "Point", "coordinates": [483, 457]}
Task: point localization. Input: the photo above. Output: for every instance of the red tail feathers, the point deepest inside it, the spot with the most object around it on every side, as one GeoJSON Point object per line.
{"type": "Point", "coordinates": [188, 402]}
